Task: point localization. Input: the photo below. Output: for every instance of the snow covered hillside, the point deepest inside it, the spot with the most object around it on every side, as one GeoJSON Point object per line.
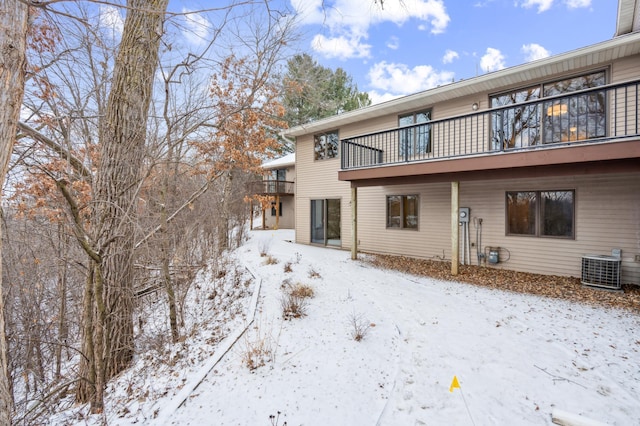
{"type": "Point", "coordinates": [517, 357]}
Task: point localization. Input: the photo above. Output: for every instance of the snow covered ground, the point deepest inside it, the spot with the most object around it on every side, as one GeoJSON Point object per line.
{"type": "Point", "coordinates": [517, 357]}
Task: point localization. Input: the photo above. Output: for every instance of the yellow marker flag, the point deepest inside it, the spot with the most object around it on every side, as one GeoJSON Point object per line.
{"type": "Point", "coordinates": [454, 384]}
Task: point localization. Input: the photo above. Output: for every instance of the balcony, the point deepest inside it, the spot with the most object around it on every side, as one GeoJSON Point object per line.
{"type": "Point", "coordinates": [272, 187]}
{"type": "Point", "coordinates": [596, 116]}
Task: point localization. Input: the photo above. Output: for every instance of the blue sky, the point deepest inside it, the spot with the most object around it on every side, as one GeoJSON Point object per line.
{"type": "Point", "coordinates": [413, 45]}
{"type": "Point", "coordinates": [407, 46]}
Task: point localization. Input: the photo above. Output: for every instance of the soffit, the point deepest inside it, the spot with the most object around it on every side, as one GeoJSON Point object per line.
{"type": "Point", "coordinates": [597, 54]}
{"type": "Point", "coordinates": [628, 17]}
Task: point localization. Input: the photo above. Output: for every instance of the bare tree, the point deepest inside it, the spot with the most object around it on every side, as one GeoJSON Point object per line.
{"type": "Point", "coordinates": [122, 140]}
{"type": "Point", "coordinates": [88, 154]}
{"type": "Point", "coordinates": [231, 125]}
{"type": "Point", "coordinates": [13, 34]}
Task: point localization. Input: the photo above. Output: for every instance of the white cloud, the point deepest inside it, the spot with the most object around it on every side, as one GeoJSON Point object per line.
{"type": "Point", "coordinates": [492, 60]}
{"type": "Point", "coordinates": [402, 80]}
{"type": "Point", "coordinates": [110, 18]}
{"type": "Point", "coordinates": [393, 43]}
{"type": "Point", "coordinates": [541, 4]}
{"type": "Point", "coordinates": [544, 5]}
{"type": "Point", "coordinates": [575, 4]}
{"type": "Point", "coordinates": [378, 98]}
{"type": "Point", "coordinates": [197, 27]}
{"type": "Point", "coordinates": [350, 20]}
{"type": "Point", "coordinates": [534, 51]}
{"type": "Point", "coordinates": [340, 47]}
{"type": "Point", "coordinates": [482, 3]}
{"type": "Point", "coordinates": [449, 56]}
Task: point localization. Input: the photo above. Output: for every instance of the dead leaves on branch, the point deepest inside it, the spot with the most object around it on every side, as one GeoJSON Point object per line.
{"type": "Point", "coordinates": [249, 117]}
{"type": "Point", "coordinates": [42, 36]}
{"type": "Point", "coordinates": [38, 195]}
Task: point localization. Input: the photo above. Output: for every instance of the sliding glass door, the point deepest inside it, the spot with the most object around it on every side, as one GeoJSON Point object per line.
{"type": "Point", "coordinates": [325, 222]}
{"type": "Point", "coordinates": [317, 221]}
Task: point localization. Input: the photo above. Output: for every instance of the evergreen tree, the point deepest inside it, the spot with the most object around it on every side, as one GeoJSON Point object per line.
{"type": "Point", "coordinates": [313, 92]}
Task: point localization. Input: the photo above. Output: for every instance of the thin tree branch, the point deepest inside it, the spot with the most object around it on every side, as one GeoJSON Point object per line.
{"type": "Point", "coordinates": [80, 233]}
{"type": "Point", "coordinates": [186, 204]}
{"type": "Point", "coordinates": [58, 149]}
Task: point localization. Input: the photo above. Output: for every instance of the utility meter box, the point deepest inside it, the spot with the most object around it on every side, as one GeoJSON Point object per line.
{"type": "Point", "coordinates": [463, 214]}
{"type": "Point", "coordinates": [494, 255]}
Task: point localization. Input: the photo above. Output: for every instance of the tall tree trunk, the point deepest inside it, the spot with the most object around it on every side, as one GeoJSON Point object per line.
{"type": "Point", "coordinates": [13, 41]}
{"type": "Point", "coordinates": [122, 142]}
{"type": "Point", "coordinates": [122, 138]}
{"type": "Point", "coordinates": [165, 248]}
{"type": "Point", "coordinates": [167, 194]}
{"type": "Point", "coordinates": [100, 350]}
{"type": "Point", "coordinates": [86, 389]}
{"type": "Point", "coordinates": [63, 330]}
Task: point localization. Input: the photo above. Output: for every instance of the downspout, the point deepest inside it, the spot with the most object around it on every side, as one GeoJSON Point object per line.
{"type": "Point", "coordinates": [289, 141]}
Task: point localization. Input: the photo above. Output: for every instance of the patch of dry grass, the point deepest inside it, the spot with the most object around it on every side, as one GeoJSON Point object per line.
{"type": "Point", "coordinates": [294, 301]}
{"type": "Point", "coordinates": [302, 290]}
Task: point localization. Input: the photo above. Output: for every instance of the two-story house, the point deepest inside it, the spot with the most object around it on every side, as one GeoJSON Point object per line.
{"type": "Point", "coordinates": [530, 168]}
{"type": "Point", "coordinates": [278, 183]}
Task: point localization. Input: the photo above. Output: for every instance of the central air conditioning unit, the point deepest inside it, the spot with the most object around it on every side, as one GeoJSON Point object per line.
{"type": "Point", "coordinates": [602, 270]}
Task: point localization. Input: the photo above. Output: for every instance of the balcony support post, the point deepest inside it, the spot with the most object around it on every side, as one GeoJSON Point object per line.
{"type": "Point", "coordinates": [277, 211]}
{"type": "Point", "coordinates": [251, 215]}
{"type": "Point", "coordinates": [354, 223]}
{"type": "Point", "coordinates": [455, 229]}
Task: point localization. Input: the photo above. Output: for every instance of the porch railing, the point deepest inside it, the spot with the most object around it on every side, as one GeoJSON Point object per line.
{"type": "Point", "coordinates": [603, 113]}
{"type": "Point", "coordinates": [272, 187]}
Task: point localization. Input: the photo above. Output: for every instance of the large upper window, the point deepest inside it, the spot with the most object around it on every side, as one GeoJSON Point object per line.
{"type": "Point", "coordinates": [325, 145]}
{"type": "Point", "coordinates": [576, 117]}
{"type": "Point", "coordinates": [519, 126]}
{"type": "Point", "coordinates": [402, 211]}
{"type": "Point", "coordinates": [414, 140]}
{"type": "Point", "coordinates": [570, 118]}
{"type": "Point", "coordinates": [541, 213]}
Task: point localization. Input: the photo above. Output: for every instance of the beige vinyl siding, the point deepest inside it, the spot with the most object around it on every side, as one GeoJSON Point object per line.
{"type": "Point", "coordinates": [607, 216]}
{"type": "Point", "coordinates": [369, 126]}
{"type": "Point", "coordinates": [623, 101]}
{"type": "Point", "coordinates": [291, 174]}
{"type": "Point", "coordinates": [287, 219]}
{"type": "Point", "coordinates": [318, 179]}
{"type": "Point", "coordinates": [289, 203]}
{"type": "Point", "coordinates": [430, 240]}
{"type": "Point", "coordinates": [625, 69]}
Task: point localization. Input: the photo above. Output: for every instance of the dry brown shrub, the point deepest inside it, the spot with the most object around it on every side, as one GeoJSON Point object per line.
{"type": "Point", "coordinates": [270, 260]}
{"type": "Point", "coordinates": [302, 290]}
{"type": "Point", "coordinates": [293, 306]}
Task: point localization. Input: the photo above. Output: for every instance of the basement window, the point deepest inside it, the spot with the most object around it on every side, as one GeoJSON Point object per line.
{"type": "Point", "coordinates": [541, 213]}
{"type": "Point", "coordinates": [402, 211]}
